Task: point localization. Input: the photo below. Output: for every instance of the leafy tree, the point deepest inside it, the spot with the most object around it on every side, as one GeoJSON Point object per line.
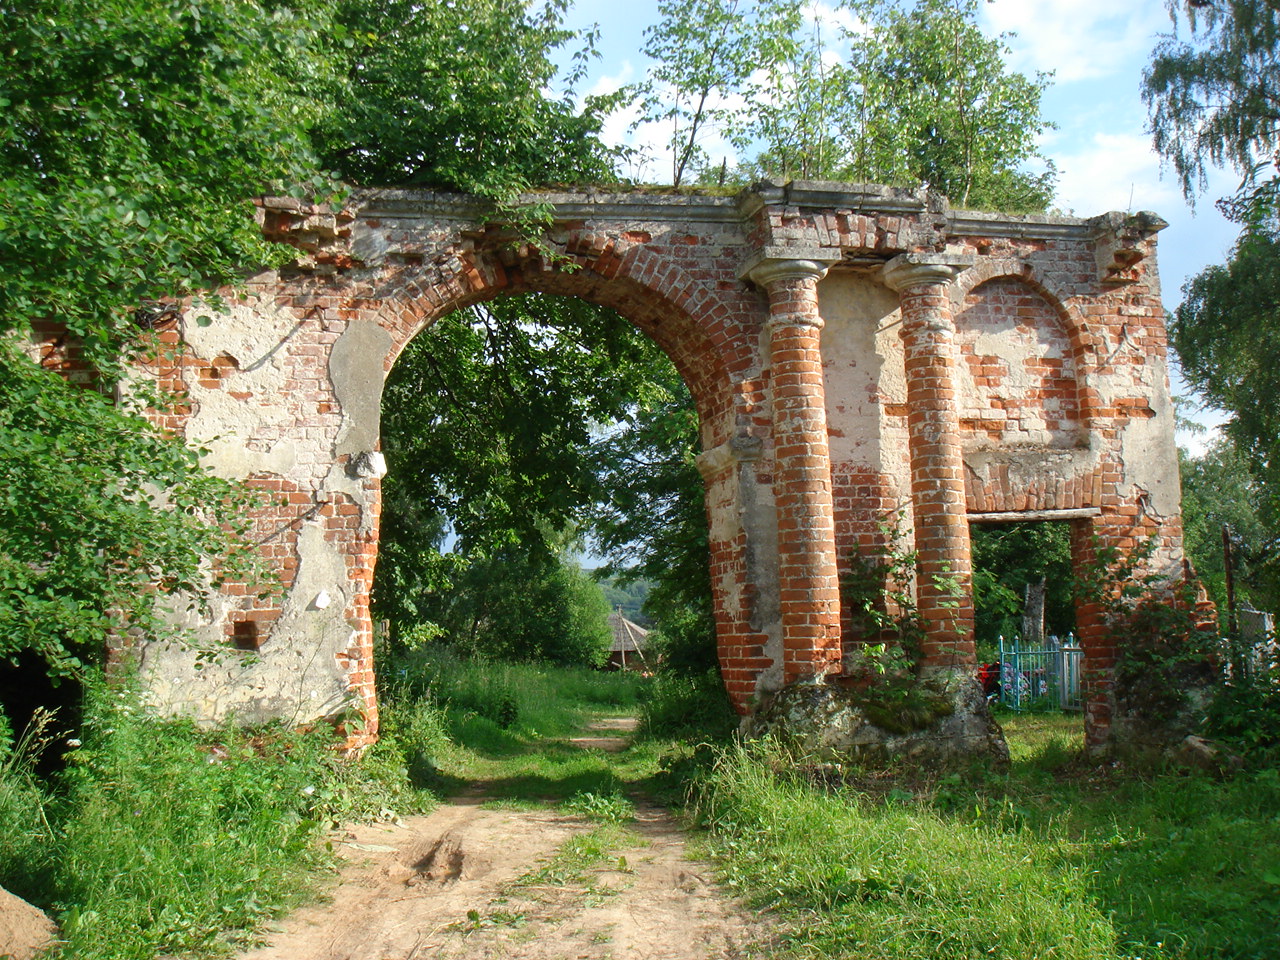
{"type": "Point", "coordinates": [1214, 98]}
{"type": "Point", "coordinates": [86, 537]}
{"type": "Point", "coordinates": [1009, 557]}
{"type": "Point", "coordinates": [1227, 334]}
{"type": "Point", "coordinates": [1219, 489]}
{"type": "Point", "coordinates": [915, 94]}
{"type": "Point", "coordinates": [702, 54]}
{"type": "Point", "coordinates": [453, 95]}
{"type": "Point", "coordinates": [799, 96]}
{"type": "Point", "coordinates": [132, 133]}
{"type": "Point", "coordinates": [504, 426]}
{"type": "Point", "coordinates": [516, 604]}
{"type": "Point", "coordinates": [488, 416]}
{"type": "Point", "coordinates": [653, 522]}
{"type": "Point", "coordinates": [939, 107]}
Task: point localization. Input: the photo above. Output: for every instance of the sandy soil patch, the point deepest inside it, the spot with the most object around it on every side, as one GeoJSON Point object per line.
{"type": "Point", "coordinates": [464, 883]}
{"type": "Point", "coordinates": [473, 881]}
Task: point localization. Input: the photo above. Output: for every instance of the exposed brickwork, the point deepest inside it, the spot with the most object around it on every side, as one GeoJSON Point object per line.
{"type": "Point", "coordinates": [1017, 366]}
{"type": "Point", "coordinates": [944, 591]}
{"type": "Point", "coordinates": [807, 576]}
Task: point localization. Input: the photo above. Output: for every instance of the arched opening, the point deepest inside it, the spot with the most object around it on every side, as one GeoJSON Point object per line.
{"type": "Point", "coordinates": [530, 439]}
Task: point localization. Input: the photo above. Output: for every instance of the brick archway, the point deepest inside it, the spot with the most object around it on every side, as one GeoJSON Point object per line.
{"type": "Point", "coordinates": [653, 294]}
{"type": "Point", "coordinates": [816, 411]}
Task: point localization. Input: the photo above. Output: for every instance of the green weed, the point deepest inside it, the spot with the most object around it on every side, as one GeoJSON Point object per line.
{"type": "Point", "coordinates": [162, 838]}
{"type": "Point", "coordinates": [570, 863]}
{"type": "Point", "coordinates": [25, 852]}
{"type": "Point", "coordinates": [602, 808]}
{"type": "Point", "coordinates": [680, 706]}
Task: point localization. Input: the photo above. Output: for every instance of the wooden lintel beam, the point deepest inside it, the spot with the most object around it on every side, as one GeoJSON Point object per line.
{"type": "Point", "coordinates": [1012, 516]}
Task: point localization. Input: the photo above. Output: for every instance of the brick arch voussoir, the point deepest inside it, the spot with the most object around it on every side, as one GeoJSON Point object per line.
{"type": "Point", "coordinates": [657, 296]}
{"type": "Point", "coordinates": [1084, 340]}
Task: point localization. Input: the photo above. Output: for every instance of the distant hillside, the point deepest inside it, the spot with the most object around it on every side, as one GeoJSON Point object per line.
{"type": "Point", "coordinates": [627, 598]}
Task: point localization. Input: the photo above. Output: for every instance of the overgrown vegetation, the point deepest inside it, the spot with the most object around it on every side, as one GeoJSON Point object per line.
{"type": "Point", "coordinates": [879, 590]}
{"type": "Point", "coordinates": [164, 839]}
{"type": "Point", "coordinates": [160, 838]}
{"type": "Point", "coordinates": [1056, 859]}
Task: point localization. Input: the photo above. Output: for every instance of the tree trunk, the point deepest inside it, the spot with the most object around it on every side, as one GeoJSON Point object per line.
{"type": "Point", "coordinates": [1033, 615]}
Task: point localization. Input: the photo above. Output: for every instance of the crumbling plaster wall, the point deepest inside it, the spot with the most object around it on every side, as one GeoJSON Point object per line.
{"type": "Point", "coordinates": [274, 401]}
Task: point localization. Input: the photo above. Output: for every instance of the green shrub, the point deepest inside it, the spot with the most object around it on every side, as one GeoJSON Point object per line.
{"type": "Point", "coordinates": [1245, 709]}
{"type": "Point", "coordinates": [418, 730]}
{"type": "Point", "coordinates": [687, 706]}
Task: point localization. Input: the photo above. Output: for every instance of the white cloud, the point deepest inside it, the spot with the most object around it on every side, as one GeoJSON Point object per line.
{"type": "Point", "coordinates": [1078, 39]}
{"type": "Point", "coordinates": [835, 18]}
{"type": "Point", "coordinates": [651, 159]}
{"type": "Point", "coordinates": [1112, 171]}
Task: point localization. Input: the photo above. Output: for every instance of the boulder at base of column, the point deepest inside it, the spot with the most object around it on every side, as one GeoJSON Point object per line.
{"type": "Point", "coordinates": [938, 722]}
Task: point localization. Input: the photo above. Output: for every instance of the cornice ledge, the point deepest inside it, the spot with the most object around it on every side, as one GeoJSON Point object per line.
{"type": "Point", "coordinates": [584, 204]}
{"type": "Point", "coordinates": [975, 223]}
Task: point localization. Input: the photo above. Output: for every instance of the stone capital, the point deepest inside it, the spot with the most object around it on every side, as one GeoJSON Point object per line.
{"type": "Point", "coordinates": [768, 266]}
{"type": "Point", "coordinates": [731, 453]}
{"type": "Point", "coordinates": [923, 269]}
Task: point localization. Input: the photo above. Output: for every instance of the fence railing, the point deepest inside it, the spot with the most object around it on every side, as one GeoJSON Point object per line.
{"type": "Point", "coordinates": [1043, 678]}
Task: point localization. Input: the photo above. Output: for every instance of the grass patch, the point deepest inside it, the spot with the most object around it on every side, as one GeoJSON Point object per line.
{"type": "Point", "coordinates": [602, 808]}
{"type": "Point", "coordinates": [498, 706]}
{"type": "Point", "coordinates": [1058, 859]}
{"type": "Point", "coordinates": [161, 838]}
{"type": "Point", "coordinates": [859, 877]}
{"type": "Point", "coordinates": [515, 752]}
{"type": "Point", "coordinates": [577, 855]}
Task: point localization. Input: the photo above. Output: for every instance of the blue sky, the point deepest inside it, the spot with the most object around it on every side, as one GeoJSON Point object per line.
{"type": "Point", "coordinates": [1096, 50]}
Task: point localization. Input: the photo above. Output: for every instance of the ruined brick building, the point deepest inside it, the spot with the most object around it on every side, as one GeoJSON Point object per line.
{"type": "Point", "coordinates": [851, 350]}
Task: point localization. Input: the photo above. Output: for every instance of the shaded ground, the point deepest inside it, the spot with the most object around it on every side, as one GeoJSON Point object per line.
{"type": "Point", "coordinates": [478, 879]}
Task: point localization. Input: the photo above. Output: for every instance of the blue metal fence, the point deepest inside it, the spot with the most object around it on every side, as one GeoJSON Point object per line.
{"type": "Point", "coordinates": [1047, 678]}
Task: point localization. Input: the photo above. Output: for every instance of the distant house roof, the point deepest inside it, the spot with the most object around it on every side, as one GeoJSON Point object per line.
{"type": "Point", "coordinates": [627, 636]}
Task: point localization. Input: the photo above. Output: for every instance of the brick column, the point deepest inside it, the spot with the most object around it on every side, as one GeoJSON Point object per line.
{"type": "Point", "coordinates": [944, 588]}
{"type": "Point", "coordinates": [808, 581]}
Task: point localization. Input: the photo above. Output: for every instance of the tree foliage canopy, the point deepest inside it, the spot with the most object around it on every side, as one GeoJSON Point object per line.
{"type": "Point", "coordinates": [133, 135]}
{"type": "Point", "coordinates": [517, 427]}
{"type": "Point", "coordinates": [455, 95]}
{"type": "Point", "coordinates": [1219, 489]}
{"type": "Point", "coordinates": [1214, 98]}
{"type": "Point", "coordinates": [913, 93]}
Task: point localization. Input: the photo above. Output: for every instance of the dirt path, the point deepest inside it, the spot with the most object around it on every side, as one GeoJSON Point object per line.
{"type": "Point", "coordinates": [474, 881]}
